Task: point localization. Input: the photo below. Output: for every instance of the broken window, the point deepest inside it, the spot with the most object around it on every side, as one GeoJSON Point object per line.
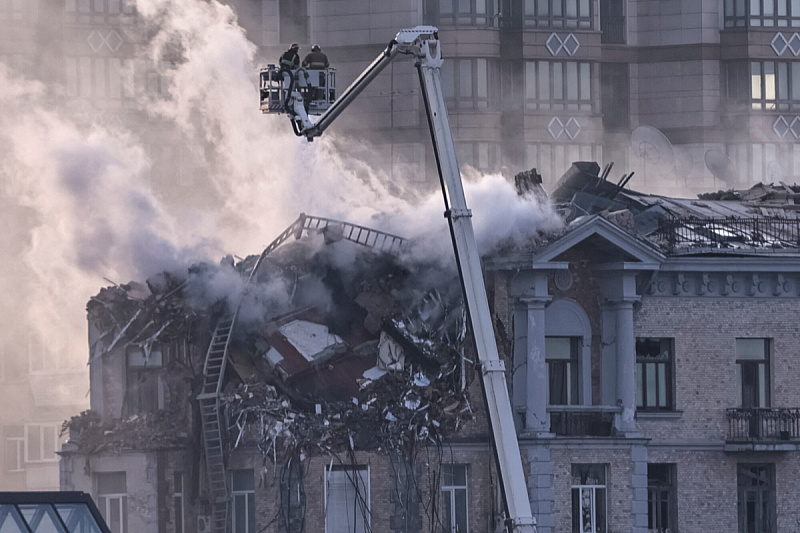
{"type": "Point", "coordinates": [346, 499]}
{"type": "Point", "coordinates": [753, 374]}
{"type": "Point", "coordinates": [14, 448]}
{"type": "Point", "coordinates": [177, 499]}
{"type": "Point", "coordinates": [41, 442]}
{"type": "Point", "coordinates": [588, 498]}
{"type": "Point", "coordinates": [661, 508]}
{"type": "Point", "coordinates": [244, 501]}
{"type": "Point", "coordinates": [145, 389]}
{"type": "Point", "coordinates": [559, 85]}
{"type": "Point", "coordinates": [756, 484]}
{"type": "Point", "coordinates": [561, 355]}
{"type": "Point", "coordinates": [654, 364]}
{"type": "Point", "coordinates": [112, 500]}
{"type": "Point", "coordinates": [559, 14]}
{"type": "Point", "coordinates": [454, 499]}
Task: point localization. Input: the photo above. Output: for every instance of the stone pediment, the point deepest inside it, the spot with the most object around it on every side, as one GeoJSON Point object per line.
{"type": "Point", "coordinates": [604, 241]}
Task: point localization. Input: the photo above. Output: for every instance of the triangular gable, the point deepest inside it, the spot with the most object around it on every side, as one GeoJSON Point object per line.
{"type": "Point", "coordinates": [641, 251]}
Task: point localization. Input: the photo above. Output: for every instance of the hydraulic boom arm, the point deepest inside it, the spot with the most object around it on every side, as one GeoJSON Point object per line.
{"type": "Point", "coordinates": [423, 43]}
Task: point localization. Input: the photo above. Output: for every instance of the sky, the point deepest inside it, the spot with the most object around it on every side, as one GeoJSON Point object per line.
{"type": "Point", "coordinates": [79, 209]}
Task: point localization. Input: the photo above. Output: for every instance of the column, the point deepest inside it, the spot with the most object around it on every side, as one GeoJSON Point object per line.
{"type": "Point", "coordinates": [537, 421]}
{"type": "Point", "coordinates": [626, 364]}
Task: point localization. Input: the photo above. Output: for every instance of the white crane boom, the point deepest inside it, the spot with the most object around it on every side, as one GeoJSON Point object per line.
{"type": "Point", "coordinates": [422, 43]}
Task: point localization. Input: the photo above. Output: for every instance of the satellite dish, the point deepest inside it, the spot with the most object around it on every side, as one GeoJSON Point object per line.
{"type": "Point", "coordinates": [720, 165]}
{"type": "Point", "coordinates": [774, 172]}
{"type": "Point", "coordinates": [652, 147]}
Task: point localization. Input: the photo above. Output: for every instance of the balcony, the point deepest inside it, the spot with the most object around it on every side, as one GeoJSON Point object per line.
{"type": "Point", "coordinates": [582, 420]}
{"type": "Point", "coordinates": [768, 429]}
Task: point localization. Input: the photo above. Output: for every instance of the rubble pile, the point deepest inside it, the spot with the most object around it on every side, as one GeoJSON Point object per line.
{"type": "Point", "coordinates": [146, 431]}
{"type": "Point", "coordinates": [337, 347]}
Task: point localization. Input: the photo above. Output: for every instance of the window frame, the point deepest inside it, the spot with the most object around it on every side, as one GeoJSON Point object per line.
{"type": "Point", "coordinates": [43, 455]}
{"type": "Point", "coordinates": [450, 491]}
{"type": "Point", "coordinates": [482, 95]}
{"type": "Point", "coordinates": [554, 14]}
{"type": "Point", "coordinates": [768, 488]}
{"type": "Point", "coordinates": [14, 437]}
{"type": "Point", "coordinates": [144, 383]}
{"type": "Point", "coordinates": [593, 489]}
{"type": "Point", "coordinates": [739, 14]}
{"type": "Point", "coordinates": [763, 373]}
{"type": "Point", "coordinates": [767, 96]}
{"type": "Point", "coordinates": [458, 16]}
{"type": "Point", "coordinates": [660, 492]}
{"type": "Point", "coordinates": [665, 362]}
{"type": "Point", "coordinates": [573, 367]}
{"type": "Point", "coordinates": [107, 499]}
{"type": "Point", "coordinates": [363, 472]}
{"type": "Point", "coordinates": [248, 495]}
{"type": "Point", "coordinates": [557, 85]}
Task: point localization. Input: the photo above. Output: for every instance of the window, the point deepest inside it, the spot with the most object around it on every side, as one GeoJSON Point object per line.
{"type": "Point", "coordinates": [654, 364]}
{"type": "Point", "coordinates": [561, 356]}
{"type": "Point", "coordinates": [145, 388]}
{"type": "Point", "coordinates": [558, 14]}
{"type": "Point", "coordinates": [244, 501]}
{"type": "Point", "coordinates": [756, 485]}
{"type": "Point", "coordinates": [612, 22]}
{"type": "Point", "coordinates": [107, 78]}
{"type": "Point", "coordinates": [588, 498]}
{"type": "Point", "coordinates": [762, 13]}
{"type": "Point", "coordinates": [460, 12]}
{"type": "Point", "coordinates": [14, 448]}
{"type": "Point", "coordinates": [177, 499]}
{"type": "Point", "coordinates": [112, 500]}
{"type": "Point", "coordinates": [347, 499]}
{"type": "Point", "coordinates": [470, 83]}
{"type": "Point", "coordinates": [752, 368]}
{"type": "Point", "coordinates": [480, 155]}
{"type": "Point", "coordinates": [41, 443]}
{"type": "Point", "coordinates": [661, 515]}
{"type": "Point", "coordinates": [98, 11]}
{"type": "Point", "coordinates": [454, 499]}
{"type": "Point", "coordinates": [558, 86]}
{"type": "Point", "coordinates": [774, 85]}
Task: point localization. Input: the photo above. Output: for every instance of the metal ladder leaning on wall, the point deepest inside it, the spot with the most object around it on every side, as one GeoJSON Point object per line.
{"type": "Point", "coordinates": [217, 356]}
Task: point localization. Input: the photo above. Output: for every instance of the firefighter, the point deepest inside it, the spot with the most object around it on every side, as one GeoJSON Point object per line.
{"type": "Point", "coordinates": [290, 59]}
{"type": "Point", "coordinates": [316, 59]}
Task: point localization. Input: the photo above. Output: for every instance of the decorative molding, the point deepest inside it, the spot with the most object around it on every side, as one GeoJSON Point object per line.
{"type": "Point", "coordinates": [571, 128]}
{"type": "Point", "coordinates": [782, 126]}
{"type": "Point", "coordinates": [725, 285]}
{"type": "Point", "coordinates": [569, 44]}
{"type": "Point", "coordinates": [781, 43]}
{"type": "Point", "coordinates": [97, 39]}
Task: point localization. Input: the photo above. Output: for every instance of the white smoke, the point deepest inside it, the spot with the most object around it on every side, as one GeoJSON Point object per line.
{"type": "Point", "coordinates": [93, 214]}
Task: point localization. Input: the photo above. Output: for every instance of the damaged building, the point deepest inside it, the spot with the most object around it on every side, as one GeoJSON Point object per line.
{"type": "Point", "coordinates": [323, 385]}
{"type": "Point", "coordinates": [652, 355]}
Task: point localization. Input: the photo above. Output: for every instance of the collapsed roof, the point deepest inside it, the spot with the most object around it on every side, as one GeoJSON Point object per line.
{"type": "Point", "coordinates": [331, 337]}
{"type": "Point", "coordinates": [761, 219]}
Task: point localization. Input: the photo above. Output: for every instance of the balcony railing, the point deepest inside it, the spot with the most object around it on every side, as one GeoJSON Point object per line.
{"type": "Point", "coordinates": [582, 420]}
{"type": "Point", "coordinates": [763, 425]}
{"type": "Point", "coordinates": [731, 232]}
